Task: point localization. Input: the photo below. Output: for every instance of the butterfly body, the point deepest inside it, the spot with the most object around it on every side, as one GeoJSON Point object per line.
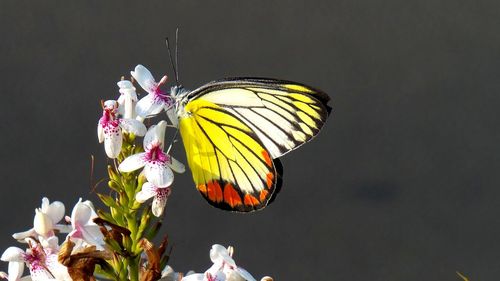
{"type": "Point", "coordinates": [234, 130]}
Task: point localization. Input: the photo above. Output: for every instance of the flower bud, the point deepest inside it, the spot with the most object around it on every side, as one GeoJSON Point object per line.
{"type": "Point", "coordinates": [42, 223]}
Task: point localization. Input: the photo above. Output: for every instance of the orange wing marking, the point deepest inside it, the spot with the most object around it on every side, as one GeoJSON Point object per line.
{"type": "Point", "coordinates": [263, 195]}
{"type": "Point", "coordinates": [231, 196]}
{"type": "Point", "coordinates": [267, 158]}
{"type": "Point", "coordinates": [214, 191]}
{"type": "Point", "coordinates": [203, 189]}
{"type": "Point", "coordinates": [250, 200]}
{"type": "Point", "coordinates": [270, 178]}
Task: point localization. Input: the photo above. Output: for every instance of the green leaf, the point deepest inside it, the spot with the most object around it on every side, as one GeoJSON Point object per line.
{"type": "Point", "coordinates": [108, 201]}
{"type": "Point", "coordinates": [106, 216]}
{"type": "Point", "coordinates": [113, 184]}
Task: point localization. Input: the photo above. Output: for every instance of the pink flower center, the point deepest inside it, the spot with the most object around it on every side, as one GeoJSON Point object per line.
{"type": "Point", "coordinates": [35, 258]}
{"type": "Point", "coordinates": [161, 96]}
{"type": "Point", "coordinates": [109, 119]}
{"type": "Point", "coordinates": [210, 277]}
{"type": "Point", "coordinates": [155, 154]}
{"type": "Point", "coordinates": [162, 193]}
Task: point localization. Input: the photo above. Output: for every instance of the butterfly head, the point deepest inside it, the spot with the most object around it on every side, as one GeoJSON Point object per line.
{"type": "Point", "coordinates": [180, 97]}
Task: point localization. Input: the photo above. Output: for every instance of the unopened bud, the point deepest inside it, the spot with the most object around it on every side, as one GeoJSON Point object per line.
{"type": "Point", "coordinates": [42, 223]}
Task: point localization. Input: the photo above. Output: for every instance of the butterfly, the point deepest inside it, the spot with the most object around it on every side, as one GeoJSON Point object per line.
{"type": "Point", "coordinates": [234, 130]}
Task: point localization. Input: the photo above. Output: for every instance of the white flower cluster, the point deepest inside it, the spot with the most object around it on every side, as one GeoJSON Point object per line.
{"type": "Point", "coordinates": [41, 255]}
{"type": "Point", "coordinates": [223, 269]}
{"type": "Point", "coordinates": [84, 243]}
{"type": "Point", "coordinates": [157, 164]}
{"type": "Point", "coordinates": [43, 244]}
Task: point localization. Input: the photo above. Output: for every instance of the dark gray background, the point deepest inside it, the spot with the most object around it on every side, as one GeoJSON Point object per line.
{"type": "Point", "coordinates": [402, 184]}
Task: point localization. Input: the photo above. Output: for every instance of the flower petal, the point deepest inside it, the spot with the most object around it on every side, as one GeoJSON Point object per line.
{"type": "Point", "coordinates": [56, 211]}
{"type": "Point", "coordinates": [39, 273]}
{"type": "Point", "coordinates": [160, 201]}
{"type": "Point", "coordinates": [15, 270]}
{"type": "Point", "coordinates": [45, 204]}
{"type": "Point", "coordinates": [127, 99]}
{"type": "Point", "coordinates": [42, 223]}
{"type": "Point", "coordinates": [126, 88]}
{"type": "Point", "coordinates": [93, 236]}
{"type": "Point", "coordinates": [128, 107]}
{"type": "Point", "coordinates": [144, 77]}
{"type": "Point", "coordinates": [51, 243]}
{"type": "Point", "coordinates": [156, 133]}
{"type": "Point", "coordinates": [81, 214]}
{"type": "Point", "coordinates": [177, 166]}
{"type": "Point", "coordinates": [59, 271]}
{"type": "Point", "coordinates": [125, 84]}
{"type": "Point", "coordinates": [132, 163]}
{"type": "Point", "coordinates": [110, 104]}
{"type": "Point", "coordinates": [219, 255]}
{"type": "Point", "coordinates": [24, 234]}
{"type": "Point", "coordinates": [244, 274]}
{"type": "Point", "coordinates": [159, 174]}
{"type": "Point", "coordinates": [147, 191]}
{"type": "Point", "coordinates": [100, 132]}
{"type": "Point", "coordinates": [168, 274]}
{"type": "Point", "coordinates": [148, 106]}
{"type": "Point", "coordinates": [120, 101]}
{"type": "Point", "coordinates": [89, 204]}
{"type": "Point", "coordinates": [194, 277]}
{"type": "Point", "coordinates": [133, 126]}
{"type": "Point", "coordinates": [13, 254]}
{"type": "Point", "coordinates": [63, 228]}
{"type": "Point", "coordinates": [113, 141]}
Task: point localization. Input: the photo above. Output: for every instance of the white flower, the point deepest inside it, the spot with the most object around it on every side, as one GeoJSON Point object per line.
{"type": "Point", "coordinates": [45, 221]}
{"type": "Point", "coordinates": [109, 129]}
{"type": "Point", "coordinates": [160, 195]}
{"type": "Point", "coordinates": [168, 274]}
{"type": "Point", "coordinates": [42, 264]}
{"type": "Point", "coordinates": [156, 100]}
{"type": "Point", "coordinates": [223, 269]}
{"type": "Point", "coordinates": [14, 256]}
{"type": "Point", "coordinates": [127, 99]}
{"type": "Point", "coordinates": [157, 164]}
{"type": "Point", "coordinates": [84, 228]}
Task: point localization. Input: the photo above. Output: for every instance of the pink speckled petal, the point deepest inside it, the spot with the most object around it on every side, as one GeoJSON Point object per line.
{"type": "Point", "coordinates": [160, 201]}
{"type": "Point", "coordinates": [158, 174]}
{"type": "Point", "coordinates": [147, 191]}
{"type": "Point", "coordinates": [113, 141]}
{"type": "Point", "coordinates": [132, 163]}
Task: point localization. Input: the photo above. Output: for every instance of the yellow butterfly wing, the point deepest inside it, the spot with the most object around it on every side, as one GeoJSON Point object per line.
{"type": "Point", "coordinates": [233, 128]}
{"type": "Point", "coordinates": [230, 167]}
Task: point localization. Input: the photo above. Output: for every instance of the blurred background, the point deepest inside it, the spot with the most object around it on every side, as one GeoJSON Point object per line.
{"type": "Point", "coordinates": [402, 183]}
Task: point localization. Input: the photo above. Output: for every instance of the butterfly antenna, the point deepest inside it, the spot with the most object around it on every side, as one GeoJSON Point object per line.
{"type": "Point", "coordinates": [172, 61]}
{"type": "Point", "coordinates": [177, 53]}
